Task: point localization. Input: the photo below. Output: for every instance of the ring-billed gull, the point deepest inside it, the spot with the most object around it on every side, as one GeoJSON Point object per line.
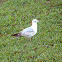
{"type": "Point", "coordinates": [30, 31]}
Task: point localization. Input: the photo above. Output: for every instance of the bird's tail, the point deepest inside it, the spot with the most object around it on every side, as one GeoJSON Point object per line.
{"type": "Point", "coordinates": [17, 35]}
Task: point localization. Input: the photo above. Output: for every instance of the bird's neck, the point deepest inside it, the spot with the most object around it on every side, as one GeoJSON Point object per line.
{"type": "Point", "coordinates": [34, 26]}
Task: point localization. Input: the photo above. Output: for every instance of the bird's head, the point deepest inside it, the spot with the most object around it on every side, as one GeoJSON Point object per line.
{"type": "Point", "coordinates": [35, 21]}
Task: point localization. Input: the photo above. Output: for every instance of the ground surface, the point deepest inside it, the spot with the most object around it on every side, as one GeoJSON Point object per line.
{"type": "Point", "coordinates": [46, 45]}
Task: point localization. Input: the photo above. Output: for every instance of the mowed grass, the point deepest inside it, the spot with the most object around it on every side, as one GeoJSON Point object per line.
{"type": "Point", "coordinates": [46, 45]}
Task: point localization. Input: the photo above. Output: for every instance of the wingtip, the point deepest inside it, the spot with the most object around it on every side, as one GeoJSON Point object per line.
{"type": "Point", "coordinates": [14, 35]}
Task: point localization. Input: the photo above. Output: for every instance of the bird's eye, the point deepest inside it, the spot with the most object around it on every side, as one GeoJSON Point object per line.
{"type": "Point", "coordinates": [34, 21]}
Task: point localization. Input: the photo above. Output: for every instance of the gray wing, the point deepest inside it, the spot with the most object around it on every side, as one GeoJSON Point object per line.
{"type": "Point", "coordinates": [28, 32]}
{"type": "Point", "coordinates": [29, 29]}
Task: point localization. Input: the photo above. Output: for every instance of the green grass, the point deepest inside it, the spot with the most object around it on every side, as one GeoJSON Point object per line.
{"type": "Point", "coordinates": [46, 45]}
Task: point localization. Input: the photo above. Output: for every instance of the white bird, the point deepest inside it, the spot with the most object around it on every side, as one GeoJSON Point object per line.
{"type": "Point", "coordinates": [30, 31]}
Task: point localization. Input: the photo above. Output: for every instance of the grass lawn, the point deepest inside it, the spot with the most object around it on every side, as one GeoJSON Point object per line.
{"type": "Point", "coordinates": [46, 45]}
